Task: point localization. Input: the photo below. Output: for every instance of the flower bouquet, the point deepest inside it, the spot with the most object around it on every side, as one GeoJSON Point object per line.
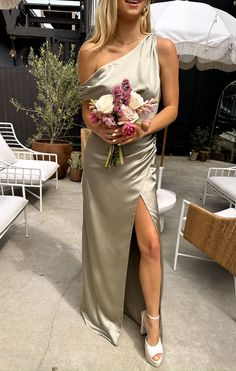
{"type": "Point", "coordinates": [123, 107]}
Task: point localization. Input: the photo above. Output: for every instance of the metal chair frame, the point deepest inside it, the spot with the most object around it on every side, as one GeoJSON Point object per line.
{"type": "Point", "coordinates": [217, 172]}
{"type": "Point", "coordinates": [23, 209]}
{"type": "Point", "coordinates": [23, 153]}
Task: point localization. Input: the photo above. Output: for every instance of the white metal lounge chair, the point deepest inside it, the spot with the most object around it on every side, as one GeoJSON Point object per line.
{"type": "Point", "coordinates": [221, 182]}
{"type": "Point", "coordinates": [11, 207]}
{"type": "Point", "coordinates": [24, 167]}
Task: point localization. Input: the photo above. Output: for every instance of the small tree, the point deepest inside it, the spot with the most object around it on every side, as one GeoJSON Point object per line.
{"type": "Point", "coordinates": [58, 96]}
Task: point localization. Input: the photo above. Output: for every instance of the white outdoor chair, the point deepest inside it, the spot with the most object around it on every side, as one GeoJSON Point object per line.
{"type": "Point", "coordinates": [221, 181]}
{"type": "Point", "coordinates": [11, 207]}
{"type": "Point", "coordinates": [25, 167]}
{"type": "Point", "coordinates": [212, 233]}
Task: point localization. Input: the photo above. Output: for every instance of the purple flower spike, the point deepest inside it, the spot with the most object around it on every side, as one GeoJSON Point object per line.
{"type": "Point", "coordinates": [117, 93]}
{"type": "Point", "coordinates": [126, 87]}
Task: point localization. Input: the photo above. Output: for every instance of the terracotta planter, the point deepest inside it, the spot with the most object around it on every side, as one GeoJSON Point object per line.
{"type": "Point", "coordinates": [203, 155]}
{"type": "Point", "coordinates": [61, 148]}
{"type": "Point", "coordinates": [75, 175]}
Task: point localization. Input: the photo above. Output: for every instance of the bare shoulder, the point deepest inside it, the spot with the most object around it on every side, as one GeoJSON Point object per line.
{"type": "Point", "coordinates": [86, 62]}
{"type": "Point", "coordinates": [165, 47]}
{"type": "Point", "coordinates": [167, 54]}
{"type": "Point", "coordinates": [87, 51]}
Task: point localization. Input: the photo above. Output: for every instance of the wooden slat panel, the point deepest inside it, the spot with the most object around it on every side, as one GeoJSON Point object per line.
{"type": "Point", "coordinates": [17, 82]}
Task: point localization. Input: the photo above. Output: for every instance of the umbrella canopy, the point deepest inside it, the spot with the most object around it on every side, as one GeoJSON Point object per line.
{"type": "Point", "coordinates": [9, 4]}
{"type": "Point", "coordinates": [203, 35]}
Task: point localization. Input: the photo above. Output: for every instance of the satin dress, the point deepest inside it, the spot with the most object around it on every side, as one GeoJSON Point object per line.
{"type": "Point", "coordinates": [110, 252]}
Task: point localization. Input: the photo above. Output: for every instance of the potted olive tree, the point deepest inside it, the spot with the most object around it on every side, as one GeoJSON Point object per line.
{"type": "Point", "coordinates": [75, 164]}
{"type": "Point", "coordinates": [199, 139]}
{"type": "Point", "coordinates": [57, 103]}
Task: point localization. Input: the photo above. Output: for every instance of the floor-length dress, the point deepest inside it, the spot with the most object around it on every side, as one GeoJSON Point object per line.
{"type": "Point", "coordinates": [110, 196]}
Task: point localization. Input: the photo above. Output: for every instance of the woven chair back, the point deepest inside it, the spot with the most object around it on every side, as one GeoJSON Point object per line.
{"type": "Point", "coordinates": [213, 234]}
{"type": "Point", "coordinates": [84, 135]}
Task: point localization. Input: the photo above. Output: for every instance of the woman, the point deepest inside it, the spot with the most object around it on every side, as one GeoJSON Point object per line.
{"type": "Point", "coordinates": [123, 273]}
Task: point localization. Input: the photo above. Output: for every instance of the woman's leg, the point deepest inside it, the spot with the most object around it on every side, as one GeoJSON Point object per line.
{"type": "Point", "coordinates": [150, 268]}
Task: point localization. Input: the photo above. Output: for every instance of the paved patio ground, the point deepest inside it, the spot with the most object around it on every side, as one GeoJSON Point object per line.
{"type": "Point", "coordinates": [41, 284]}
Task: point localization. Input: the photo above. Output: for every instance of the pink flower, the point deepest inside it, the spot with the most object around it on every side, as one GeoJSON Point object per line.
{"type": "Point", "coordinates": [128, 115]}
{"type": "Point", "coordinates": [128, 129]}
{"type": "Point", "coordinates": [108, 120]}
{"type": "Point", "coordinates": [94, 117]}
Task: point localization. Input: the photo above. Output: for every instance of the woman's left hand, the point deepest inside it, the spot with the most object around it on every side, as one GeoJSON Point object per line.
{"type": "Point", "coordinates": [139, 132]}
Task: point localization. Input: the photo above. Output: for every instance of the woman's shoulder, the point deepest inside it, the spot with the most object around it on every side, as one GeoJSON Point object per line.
{"type": "Point", "coordinates": [167, 53]}
{"type": "Point", "coordinates": [88, 49]}
{"type": "Point", "coordinates": [86, 63]}
{"type": "Point", "coordinates": [165, 45]}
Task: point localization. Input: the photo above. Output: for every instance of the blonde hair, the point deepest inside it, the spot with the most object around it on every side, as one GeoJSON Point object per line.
{"type": "Point", "coordinates": [106, 20]}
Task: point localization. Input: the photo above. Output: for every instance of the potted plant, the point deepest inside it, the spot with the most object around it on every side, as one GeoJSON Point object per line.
{"type": "Point", "coordinates": [199, 139]}
{"type": "Point", "coordinates": [75, 164]}
{"type": "Point", "coordinates": [57, 103]}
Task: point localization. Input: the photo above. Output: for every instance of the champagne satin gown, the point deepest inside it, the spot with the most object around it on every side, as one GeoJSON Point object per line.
{"type": "Point", "coordinates": [110, 252]}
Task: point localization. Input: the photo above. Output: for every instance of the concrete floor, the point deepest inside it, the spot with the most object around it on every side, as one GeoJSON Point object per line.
{"type": "Point", "coordinates": [41, 285]}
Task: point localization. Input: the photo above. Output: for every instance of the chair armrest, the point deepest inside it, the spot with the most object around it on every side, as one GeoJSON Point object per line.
{"type": "Point", "coordinates": [222, 171]}
{"type": "Point", "coordinates": [34, 155]}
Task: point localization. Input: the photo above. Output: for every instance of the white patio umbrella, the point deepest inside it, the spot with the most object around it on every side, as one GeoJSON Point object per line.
{"type": "Point", "coordinates": [203, 35]}
{"type": "Point", "coordinates": [9, 4]}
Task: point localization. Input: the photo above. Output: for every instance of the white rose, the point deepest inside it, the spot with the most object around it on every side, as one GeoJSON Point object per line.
{"type": "Point", "coordinates": [105, 104]}
{"type": "Point", "coordinates": [136, 100]}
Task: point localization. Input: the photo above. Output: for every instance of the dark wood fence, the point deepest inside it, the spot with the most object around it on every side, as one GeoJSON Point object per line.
{"type": "Point", "coordinates": [17, 82]}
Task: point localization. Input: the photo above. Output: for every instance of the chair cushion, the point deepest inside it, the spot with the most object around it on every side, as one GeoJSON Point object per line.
{"type": "Point", "coordinates": [166, 200]}
{"type": "Point", "coordinates": [10, 207]}
{"type": "Point", "coordinates": [48, 168]}
{"type": "Point", "coordinates": [227, 213]}
{"type": "Point", "coordinates": [6, 154]}
{"type": "Point", "coordinates": [225, 184]}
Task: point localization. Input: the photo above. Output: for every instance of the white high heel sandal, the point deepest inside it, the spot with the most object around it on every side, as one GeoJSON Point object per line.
{"type": "Point", "coordinates": [151, 351]}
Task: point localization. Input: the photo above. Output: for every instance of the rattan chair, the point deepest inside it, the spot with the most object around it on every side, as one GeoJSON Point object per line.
{"type": "Point", "coordinates": [84, 135]}
{"type": "Point", "coordinates": [213, 233]}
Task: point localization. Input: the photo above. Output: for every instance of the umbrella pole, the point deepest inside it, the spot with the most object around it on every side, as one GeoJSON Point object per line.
{"type": "Point", "coordinates": [163, 147]}
{"type": "Point", "coordinates": [161, 167]}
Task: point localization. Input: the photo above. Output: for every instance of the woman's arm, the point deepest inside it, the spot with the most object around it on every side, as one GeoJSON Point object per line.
{"type": "Point", "coordinates": [169, 75]}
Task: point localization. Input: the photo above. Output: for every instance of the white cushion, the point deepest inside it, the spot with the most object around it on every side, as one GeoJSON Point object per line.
{"type": "Point", "coordinates": [6, 154]}
{"type": "Point", "coordinates": [10, 207]}
{"type": "Point", "coordinates": [166, 200]}
{"type": "Point", "coordinates": [225, 184]}
{"type": "Point", "coordinates": [227, 213]}
{"type": "Point", "coordinates": [48, 168]}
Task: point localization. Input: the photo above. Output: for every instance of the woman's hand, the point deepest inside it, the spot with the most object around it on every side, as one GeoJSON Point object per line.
{"type": "Point", "coordinates": [139, 132]}
{"type": "Point", "coordinates": [110, 135]}
{"type": "Point", "coordinates": [115, 135]}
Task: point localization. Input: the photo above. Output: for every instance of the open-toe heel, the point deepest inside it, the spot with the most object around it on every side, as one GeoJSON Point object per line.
{"type": "Point", "coordinates": [151, 350]}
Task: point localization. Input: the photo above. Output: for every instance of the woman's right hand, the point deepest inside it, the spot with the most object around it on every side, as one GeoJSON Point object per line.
{"type": "Point", "coordinates": [110, 135]}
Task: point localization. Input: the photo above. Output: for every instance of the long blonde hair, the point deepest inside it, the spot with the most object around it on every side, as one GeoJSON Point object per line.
{"type": "Point", "coordinates": [106, 20]}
